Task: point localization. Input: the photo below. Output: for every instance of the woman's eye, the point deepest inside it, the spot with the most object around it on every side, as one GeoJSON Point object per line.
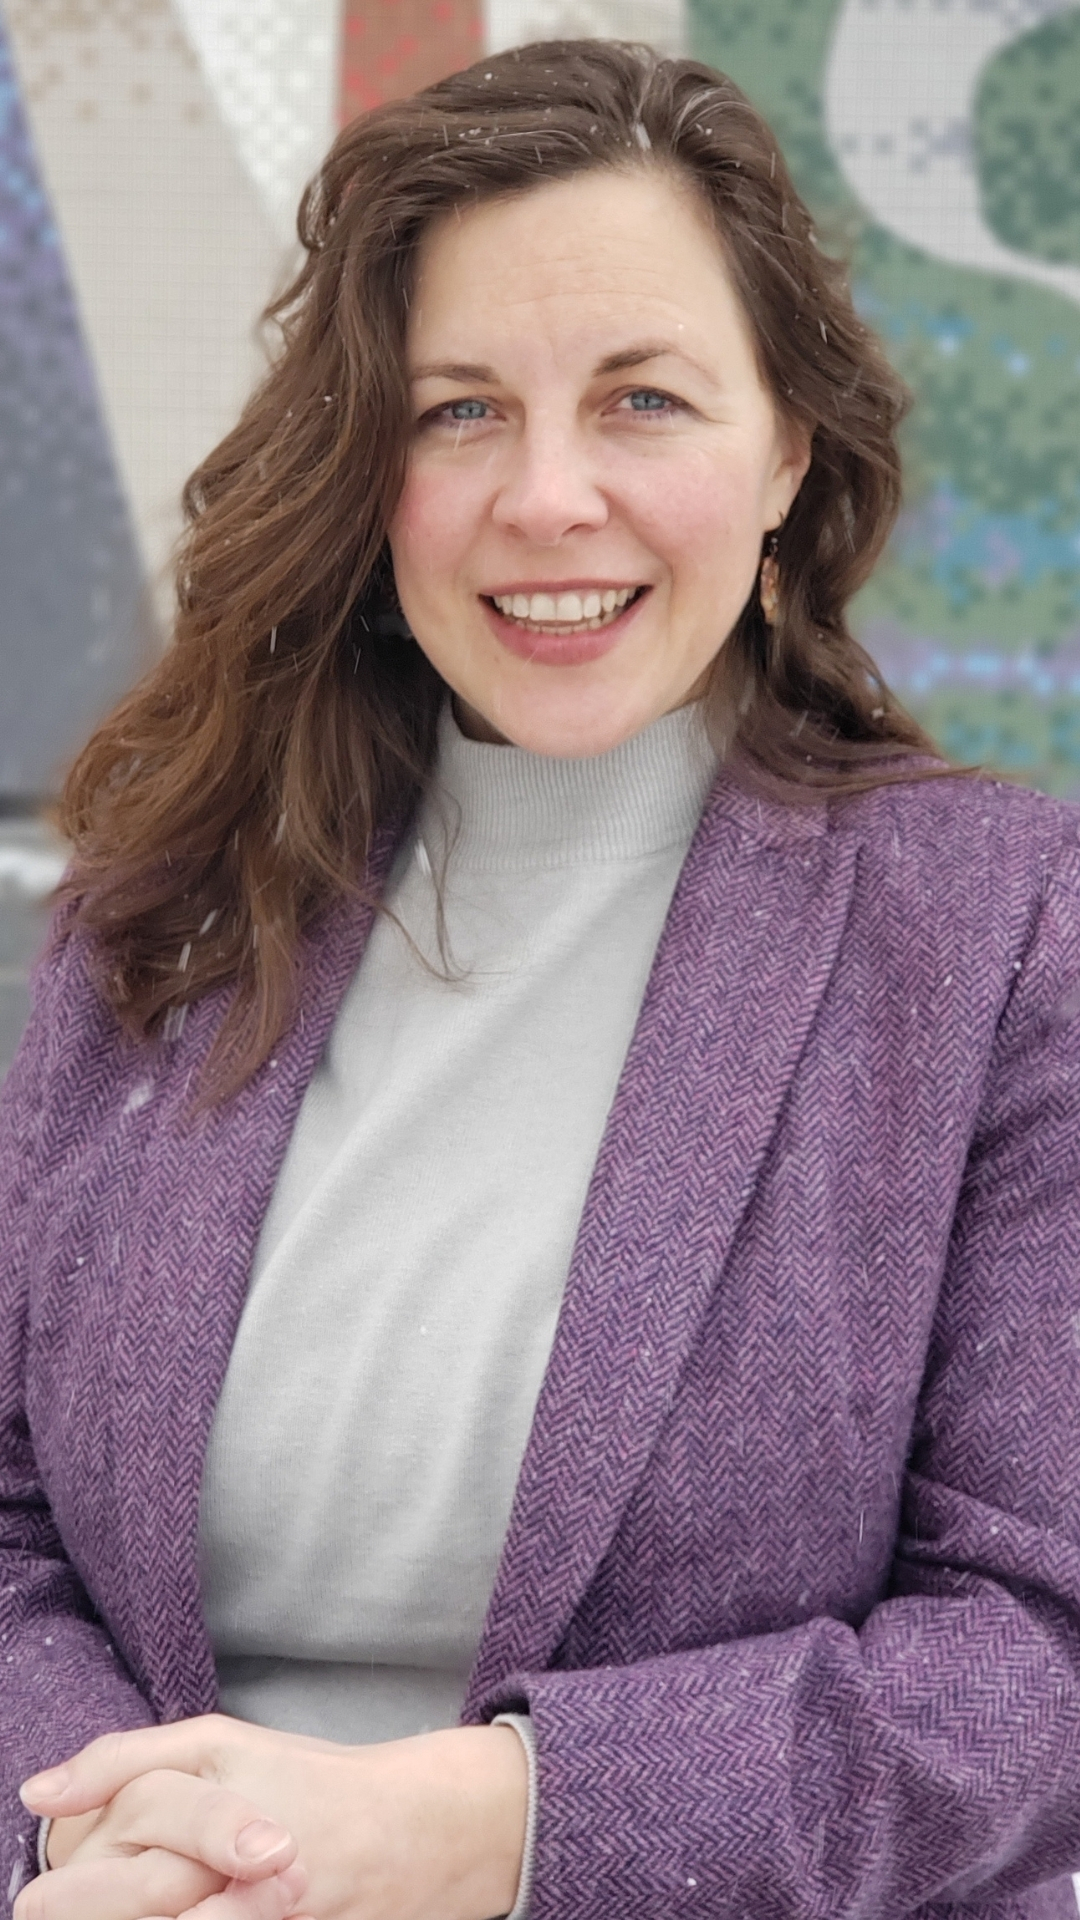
{"type": "Point", "coordinates": [456, 414]}
{"type": "Point", "coordinates": [456, 410]}
{"type": "Point", "coordinates": [650, 400]}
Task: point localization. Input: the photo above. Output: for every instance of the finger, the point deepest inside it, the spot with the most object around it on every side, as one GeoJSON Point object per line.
{"type": "Point", "coordinates": [241, 1900]}
{"type": "Point", "coordinates": [195, 1817]}
{"type": "Point", "coordinates": [94, 1775]}
{"type": "Point", "coordinates": [118, 1889]}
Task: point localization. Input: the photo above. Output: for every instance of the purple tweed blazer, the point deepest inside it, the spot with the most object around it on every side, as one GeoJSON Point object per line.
{"type": "Point", "coordinates": [792, 1582]}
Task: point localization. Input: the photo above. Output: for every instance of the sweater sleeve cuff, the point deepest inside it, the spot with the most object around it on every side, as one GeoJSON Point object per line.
{"type": "Point", "coordinates": [522, 1726]}
{"type": "Point", "coordinates": [44, 1828]}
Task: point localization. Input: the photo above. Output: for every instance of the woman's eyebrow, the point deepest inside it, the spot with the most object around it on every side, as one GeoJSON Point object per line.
{"type": "Point", "coordinates": [461, 370]}
{"type": "Point", "coordinates": [468, 371]}
{"type": "Point", "coordinates": [650, 350]}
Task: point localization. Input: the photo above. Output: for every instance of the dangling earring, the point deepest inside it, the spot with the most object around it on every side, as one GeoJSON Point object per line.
{"type": "Point", "coordinates": [769, 581]}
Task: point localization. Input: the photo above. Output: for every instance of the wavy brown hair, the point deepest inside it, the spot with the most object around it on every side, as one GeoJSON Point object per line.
{"type": "Point", "coordinates": [232, 796]}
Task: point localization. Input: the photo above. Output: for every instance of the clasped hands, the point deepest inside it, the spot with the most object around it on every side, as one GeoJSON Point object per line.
{"type": "Point", "coordinates": [216, 1819]}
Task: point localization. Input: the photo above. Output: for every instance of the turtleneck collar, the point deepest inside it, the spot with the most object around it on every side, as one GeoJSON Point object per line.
{"type": "Point", "coordinates": [509, 808]}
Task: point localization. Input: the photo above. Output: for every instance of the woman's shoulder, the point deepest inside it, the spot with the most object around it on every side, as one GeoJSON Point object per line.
{"type": "Point", "coordinates": [950, 800]}
{"type": "Point", "coordinates": [969, 868]}
{"type": "Point", "coordinates": [65, 984]}
{"type": "Point", "coordinates": [966, 830]}
{"type": "Point", "coordinates": [73, 1056]}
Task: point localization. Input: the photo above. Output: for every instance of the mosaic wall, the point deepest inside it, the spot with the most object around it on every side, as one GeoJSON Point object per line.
{"type": "Point", "coordinates": [71, 575]}
{"type": "Point", "coordinates": [151, 156]}
{"type": "Point", "coordinates": [939, 144]}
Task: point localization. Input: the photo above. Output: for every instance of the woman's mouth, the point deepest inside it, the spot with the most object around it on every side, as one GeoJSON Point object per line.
{"type": "Point", "coordinates": [567, 628]}
{"type": "Point", "coordinates": [584, 611]}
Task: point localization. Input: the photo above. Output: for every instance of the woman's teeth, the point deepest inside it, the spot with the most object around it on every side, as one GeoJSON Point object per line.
{"type": "Point", "coordinates": [556, 611]}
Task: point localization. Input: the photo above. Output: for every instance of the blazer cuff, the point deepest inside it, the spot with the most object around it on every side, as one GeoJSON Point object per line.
{"type": "Point", "coordinates": [522, 1725]}
{"type": "Point", "coordinates": [44, 1829]}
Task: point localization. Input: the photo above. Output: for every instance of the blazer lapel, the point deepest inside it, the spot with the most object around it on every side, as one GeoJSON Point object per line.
{"type": "Point", "coordinates": [203, 1193]}
{"type": "Point", "coordinates": [746, 952]}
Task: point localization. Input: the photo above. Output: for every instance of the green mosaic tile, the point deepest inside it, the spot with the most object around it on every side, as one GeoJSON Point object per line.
{"type": "Point", "coordinates": [1023, 737]}
{"type": "Point", "coordinates": [1027, 140]}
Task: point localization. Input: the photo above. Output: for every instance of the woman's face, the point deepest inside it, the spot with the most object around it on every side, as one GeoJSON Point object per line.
{"type": "Point", "coordinates": [594, 463]}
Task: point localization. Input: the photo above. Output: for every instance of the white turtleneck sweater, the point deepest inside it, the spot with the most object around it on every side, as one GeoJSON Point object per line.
{"type": "Point", "coordinates": [411, 1265]}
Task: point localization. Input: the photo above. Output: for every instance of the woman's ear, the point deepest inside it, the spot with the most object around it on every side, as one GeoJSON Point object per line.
{"type": "Point", "coordinates": [795, 450]}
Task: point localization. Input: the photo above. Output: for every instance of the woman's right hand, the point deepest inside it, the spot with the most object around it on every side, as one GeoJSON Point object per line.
{"type": "Point", "coordinates": [91, 1878]}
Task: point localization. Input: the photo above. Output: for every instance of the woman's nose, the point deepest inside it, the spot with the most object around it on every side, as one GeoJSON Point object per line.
{"type": "Point", "coordinates": [550, 488]}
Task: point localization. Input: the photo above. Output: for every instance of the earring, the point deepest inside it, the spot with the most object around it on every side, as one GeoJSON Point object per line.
{"type": "Point", "coordinates": [769, 582]}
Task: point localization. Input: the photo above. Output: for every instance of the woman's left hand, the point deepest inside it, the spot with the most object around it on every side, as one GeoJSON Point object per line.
{"type": "Point", "coordinates": [396, 1831]}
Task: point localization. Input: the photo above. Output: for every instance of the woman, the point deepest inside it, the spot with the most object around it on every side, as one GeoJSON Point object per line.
{"type": "Point", "coordinates": [622, 1296]}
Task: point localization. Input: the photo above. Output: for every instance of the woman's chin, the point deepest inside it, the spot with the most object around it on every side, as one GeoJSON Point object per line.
{"type": "Point", "coordinates": [562, 724]}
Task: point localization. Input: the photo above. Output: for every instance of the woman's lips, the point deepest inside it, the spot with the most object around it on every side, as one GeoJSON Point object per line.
{"type": "Point", "coordinates": [568, 649]}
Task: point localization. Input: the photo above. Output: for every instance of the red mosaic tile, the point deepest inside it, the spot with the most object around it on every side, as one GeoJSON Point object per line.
{"type": "Point", "coordinates": [392, 47]}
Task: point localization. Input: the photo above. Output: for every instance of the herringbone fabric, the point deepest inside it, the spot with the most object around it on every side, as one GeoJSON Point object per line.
{"type": "Point", "coordinates": [792, 1582]}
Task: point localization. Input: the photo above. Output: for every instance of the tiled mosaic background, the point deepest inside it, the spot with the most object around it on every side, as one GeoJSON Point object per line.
{"type": "Point", "coordinates": [151, 156]}
{"type": "Point", "coordinates": [939, 142]}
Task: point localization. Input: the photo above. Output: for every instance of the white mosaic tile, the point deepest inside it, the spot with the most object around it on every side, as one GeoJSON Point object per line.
{"type": "Point", "coordinates": [171, 251]}
{"type": "Point", "coordinates": [513, 23]}
{"type": "Point", "coordinates": [272, 66]}
{"type": "Point", "coordinates": [900, 87]}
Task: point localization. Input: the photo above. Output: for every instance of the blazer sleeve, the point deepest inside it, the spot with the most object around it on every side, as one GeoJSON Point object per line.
{"type": "Point", "coordinates": [930, 1758]}
{"type": "Point", "coordinates": [62, 1683]}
